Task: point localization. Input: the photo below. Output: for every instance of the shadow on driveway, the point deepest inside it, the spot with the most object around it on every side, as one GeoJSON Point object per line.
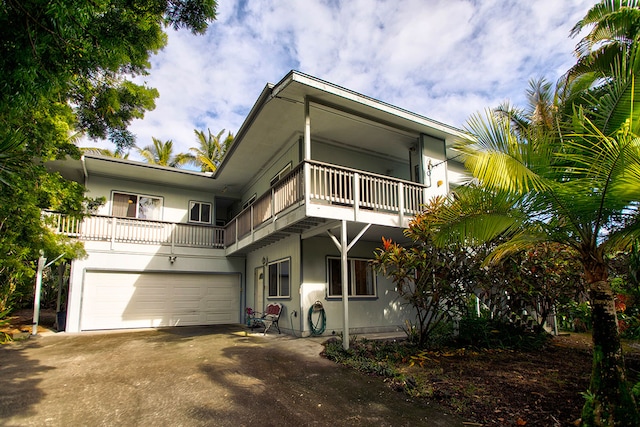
{"type": "Point", "coordinates": [193, 376]}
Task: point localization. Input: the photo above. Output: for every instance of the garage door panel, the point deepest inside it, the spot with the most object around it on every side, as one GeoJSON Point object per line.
{"type": "Point", "coordinates": [114, 300]}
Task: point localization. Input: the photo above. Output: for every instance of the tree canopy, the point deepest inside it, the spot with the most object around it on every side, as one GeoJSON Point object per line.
{"type": "Point", "coordinates": [67, 69]}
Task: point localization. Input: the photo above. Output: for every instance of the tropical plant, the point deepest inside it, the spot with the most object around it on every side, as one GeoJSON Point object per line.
{"type": "Point", "coordinates": [66, 70]}
{"type": "Point", "coordinates": [573, 185]}
{"type": "Point", "coordinates": [161, 153]}
{"type": "Point", "coordinates": [210, 150]}
{"type": "Point", "coordinates": [116, 154]}
{"type": "Point", "coordinates": [613, 33]}
{"type": "Point", "coordinates": [431, 279]}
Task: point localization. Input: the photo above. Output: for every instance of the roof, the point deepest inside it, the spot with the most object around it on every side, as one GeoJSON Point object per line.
{"type": "Point", "coordinates": [337, 114]}
{"type": "Point", "coordinates": [99, 165]}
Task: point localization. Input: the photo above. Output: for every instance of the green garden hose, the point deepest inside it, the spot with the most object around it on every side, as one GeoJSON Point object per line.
{"type": "Point", "coordinates": [320, 325]}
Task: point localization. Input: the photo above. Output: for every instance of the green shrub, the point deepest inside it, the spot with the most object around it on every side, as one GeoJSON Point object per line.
{"type": "Point", "coordinates": [482, 332]}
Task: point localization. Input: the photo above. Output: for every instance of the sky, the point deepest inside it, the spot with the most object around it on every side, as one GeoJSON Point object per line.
{"type": "Point", "coordinates": [442, 59]}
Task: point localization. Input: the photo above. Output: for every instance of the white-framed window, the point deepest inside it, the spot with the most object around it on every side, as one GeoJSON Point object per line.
{"type": "Point", "coordinates": [200, 212]}
{"type": "Point", "coordinates": [139, 206]}
{"type": "Point", "coordinates": [279, 278]}
{"type": "Point", "coordinates": [361, 277]}
{"type": "Point", "coordinates": [285, 170]}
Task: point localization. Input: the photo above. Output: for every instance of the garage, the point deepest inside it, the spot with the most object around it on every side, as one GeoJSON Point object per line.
{"type": "Point", "coordinates": [117, 300]}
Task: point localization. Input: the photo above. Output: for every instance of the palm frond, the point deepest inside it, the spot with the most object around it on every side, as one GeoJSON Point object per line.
{"type": "Point", "coordinates": [496, 156]}
{"type": "Point", "coordinates": [12, 156]}
{"type": "Point", "coordinates": [473, 215]}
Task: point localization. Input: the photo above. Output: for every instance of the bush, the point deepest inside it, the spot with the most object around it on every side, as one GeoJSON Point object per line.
{"type": "Point", "coordinates": [482, 332]}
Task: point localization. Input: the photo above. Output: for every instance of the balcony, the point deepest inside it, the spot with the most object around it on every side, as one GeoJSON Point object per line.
{"type": "Point", "coordinates": [129, 230]}
{"type": "Point", "coordinates": [332, 193]}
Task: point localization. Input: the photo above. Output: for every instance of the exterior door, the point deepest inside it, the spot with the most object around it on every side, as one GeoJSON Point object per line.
{"type": "Point", "coordinates": [258, 292]}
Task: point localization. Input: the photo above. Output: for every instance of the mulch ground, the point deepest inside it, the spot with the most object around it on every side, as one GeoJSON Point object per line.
{"type": "Point", "coordinates": [513, 388]}
{"type": "Point", "coordinates": [19, 324]}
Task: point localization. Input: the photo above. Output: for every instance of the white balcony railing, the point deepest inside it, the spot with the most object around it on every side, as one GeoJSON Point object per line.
{"type": "Point", "coordinates": [129, 230]}
{"type": "Point", "coordinates": [332, 186]}
{"type": "Point", "coordinates": [328, 185]}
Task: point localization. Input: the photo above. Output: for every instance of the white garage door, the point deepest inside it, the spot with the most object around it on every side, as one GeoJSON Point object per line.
{"type": "Point", "coordinates": [114, 300]}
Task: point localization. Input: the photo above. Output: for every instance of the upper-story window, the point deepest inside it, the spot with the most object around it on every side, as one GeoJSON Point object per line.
{"type": "Point", "coordinates": [137, 206]}
{"type": "Point", "coordinates": [251, 199]}
{"type": "Point", "coordinates": [285, 170]}
{"type": "Point", "coordinates": [361, 277]}
{"type": "Point", "coordinates": [200, 212]}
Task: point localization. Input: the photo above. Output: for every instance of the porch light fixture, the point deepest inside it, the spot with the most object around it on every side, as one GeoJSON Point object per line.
{"type": "Point", "coordinates": [172, 259]}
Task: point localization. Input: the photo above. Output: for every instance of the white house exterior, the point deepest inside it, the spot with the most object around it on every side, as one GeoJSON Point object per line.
{"type": "Point", "coordinates": [316, 176]}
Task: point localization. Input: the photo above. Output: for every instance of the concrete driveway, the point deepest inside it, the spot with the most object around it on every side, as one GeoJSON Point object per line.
{"type": "Point", "coordinates": [193, 376]}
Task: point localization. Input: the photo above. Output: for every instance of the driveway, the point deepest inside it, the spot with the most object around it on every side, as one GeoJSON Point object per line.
{"type": "Point", "coordinates": [193, 376]}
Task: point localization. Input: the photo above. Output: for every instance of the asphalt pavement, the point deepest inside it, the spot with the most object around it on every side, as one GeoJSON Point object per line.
{"type": "Point", "coordinates": [194, 376]}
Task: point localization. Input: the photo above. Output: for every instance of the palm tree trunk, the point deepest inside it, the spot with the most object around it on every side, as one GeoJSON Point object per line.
{"type": "Point", "coordinates": [609, 401]}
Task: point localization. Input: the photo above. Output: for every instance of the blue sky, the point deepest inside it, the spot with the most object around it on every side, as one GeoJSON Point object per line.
{"type": "Point", "coordinates": [443, 59]}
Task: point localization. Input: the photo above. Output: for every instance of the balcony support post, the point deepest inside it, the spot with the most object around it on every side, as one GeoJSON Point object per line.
{"type": "Point", "coordinates": [345, 285]}
{"type": "Point", "coordinates": [307, 184]}
{"type": "Point", "coordinates": [114, 221]}
{"type": "Point", "coordinates": [344, 248]}
{"type": "Point", "coordinates": [356, 195]}
{"type": "Point", "coordinates": [307, 129]}
{"type": "Point", "coordinates": [401, 202]}
{"type": "Point", "coordinates": [173, 240]}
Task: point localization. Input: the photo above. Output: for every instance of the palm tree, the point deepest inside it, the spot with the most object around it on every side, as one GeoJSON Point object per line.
{"type": "Point", "coordinates": [608, 49]}
{"type": "Point", "coordinates": [210, 151]}
{"type": "Point", "coordinates": [614, 30]}
{"type": "Point", "coordinates": [117, 153]}
{"type": "Point", "coordinates": [570, 183]}
{"type": "Point", "coordinates": [161, 153]}
{"type": "Point", "coordinates": [12, 157]}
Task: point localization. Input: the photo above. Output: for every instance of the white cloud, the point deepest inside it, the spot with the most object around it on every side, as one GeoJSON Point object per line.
{"type": "Point", "coordinates": [444, 59]}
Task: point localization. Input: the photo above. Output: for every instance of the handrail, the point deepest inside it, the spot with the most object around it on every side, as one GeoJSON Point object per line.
{"type": "Point", "coordinates": [133, 230]}
{"type": "Point", "coordinates": [330, 185]}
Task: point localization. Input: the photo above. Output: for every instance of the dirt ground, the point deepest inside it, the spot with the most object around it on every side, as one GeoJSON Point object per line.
{"type": "Point", "coordinates": [509, 388]}
{"type": "Point", "coordinates": [20, 323]}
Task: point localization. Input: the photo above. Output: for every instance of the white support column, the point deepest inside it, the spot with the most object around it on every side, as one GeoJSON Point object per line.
{"type": "Point", "coordinates": [307, 129]}
{"type": "Point", "coordinates": [356, 196]}
{"type": "Point", "coordinates": [345, 285]}
{"type": "Point", "coordinates": [344, 248]}
{"type": "Point", "coordinates": [36, 296]}
{"type": "Point", "coordinates": [401, 208]}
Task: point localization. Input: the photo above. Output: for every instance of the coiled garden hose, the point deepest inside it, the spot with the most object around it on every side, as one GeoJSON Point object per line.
{"type": "Point", "coordinates": [320, 325]}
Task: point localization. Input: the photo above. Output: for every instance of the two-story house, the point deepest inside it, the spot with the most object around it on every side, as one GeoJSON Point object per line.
{"type": "Point", "coordinates": [316, 176]}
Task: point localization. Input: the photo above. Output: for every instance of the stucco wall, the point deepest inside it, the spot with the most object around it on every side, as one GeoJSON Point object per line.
{"type": "Point", "coordinates": [259, 185]}
{"type": "Point", "coordinates": [283, 249]}
{"type": "Point", "coordinates": [175, 200]}
{"type": "Point", "coordinates": [382, 313]}
{"type": "Point", "coordinates": [342, 156]}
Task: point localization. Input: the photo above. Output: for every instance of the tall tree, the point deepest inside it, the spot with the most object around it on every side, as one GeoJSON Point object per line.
{"type": "Point", "coordinates": [210, 150]}
{"type": "Point", "coordinates": [161, 153]}
{"type": "Point", "coordinates": [67, 67]}
{"type": "Point", "coordinates": [571, 184]}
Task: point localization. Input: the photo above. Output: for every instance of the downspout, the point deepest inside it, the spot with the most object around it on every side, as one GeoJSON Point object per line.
{"type": "Point", "coordinates": [84, 170]}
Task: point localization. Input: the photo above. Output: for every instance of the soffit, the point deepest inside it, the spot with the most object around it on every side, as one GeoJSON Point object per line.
{"type": "Point", "coordinates": [338, 116]}
{"type": "Point", "coordinates": [129, 170]}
